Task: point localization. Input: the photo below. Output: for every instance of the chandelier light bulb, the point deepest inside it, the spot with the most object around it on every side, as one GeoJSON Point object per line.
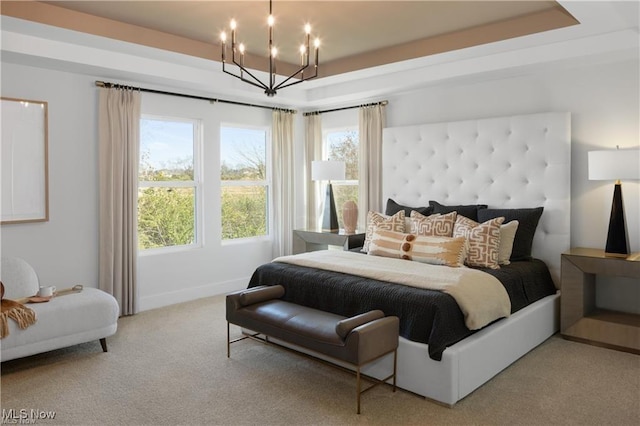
{"type": "Point", "coordinates": [302, 49]}
{"type": "Point", "coordinates": [270, 20]}
{"type": "Point", "coordinates": [274, 52]}
{"type": "Point", "coordinates": [307, 29]}
{"type": "Point", "coordinates": [233, 24]}
{"type": "Point", "coordinates": [223, 36]}
{"type": "Point", "coordinates": [241, 47]}
{"type": "Point", "coordinates": [316, 43]}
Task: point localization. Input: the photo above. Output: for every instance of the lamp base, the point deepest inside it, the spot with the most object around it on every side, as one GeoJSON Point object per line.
{"type": "Point", "coordinates": [330, 217]}
{"type": "Point", "coordinates": [617, 241]}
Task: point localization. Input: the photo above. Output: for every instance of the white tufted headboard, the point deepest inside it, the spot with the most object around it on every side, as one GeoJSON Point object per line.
{"type": "Point", "coordinates": [505, 162]}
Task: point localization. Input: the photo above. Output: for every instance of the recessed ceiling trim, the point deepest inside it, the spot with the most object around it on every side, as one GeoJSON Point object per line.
{"type": "Point", "coordinates": [516, 27]}
{"type": "Point", "coordinates": [556, 17]}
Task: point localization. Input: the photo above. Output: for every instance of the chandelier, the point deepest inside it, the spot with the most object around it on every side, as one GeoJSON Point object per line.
{"type": "Point", "coordinates": [270, 89]}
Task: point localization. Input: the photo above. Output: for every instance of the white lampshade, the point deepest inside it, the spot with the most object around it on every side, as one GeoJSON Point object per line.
{"type": "Point", "coordinates": [614, 164]}
{"type": "Point", "coordinates": [328, 170]}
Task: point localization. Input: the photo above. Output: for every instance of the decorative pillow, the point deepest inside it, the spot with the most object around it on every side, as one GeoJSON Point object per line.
{"type": "Point", "coordinates": [379, 221]}
{"type": "Point", "coordinates": [507, 235]}
{"type": "Point", "coordinates": [433, 250]}
{"type": "Point", "coordinates": [528, 222]}
{"type": "Point", "coordinates": [393, 208]}
{"type": "Point", "coordinates": [470, 210]}
{"type": "Point", "coordinates": [436, 225]}
{"type": "Point", "coordinates": [483, 241]}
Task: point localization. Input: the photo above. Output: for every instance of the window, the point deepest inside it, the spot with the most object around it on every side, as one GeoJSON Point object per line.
{"type": "Point", "coordinates": [245, 184]}
{"type": "Point", "coordinates": [168, 182]}
{"type": "Point", "coordinates": [342, 145]}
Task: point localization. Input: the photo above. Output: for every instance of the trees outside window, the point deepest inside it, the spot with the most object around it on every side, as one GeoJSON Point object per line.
{"type": "Point", "coordinates": [342, 145]}
{"type": "Point", "coordinates": [245, 182]}
{"type": "Point", "coordinates": [168, 182]}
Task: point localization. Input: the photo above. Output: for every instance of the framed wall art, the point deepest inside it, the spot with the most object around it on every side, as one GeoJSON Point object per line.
{"type": "Point", "coordinates": [24, 171]}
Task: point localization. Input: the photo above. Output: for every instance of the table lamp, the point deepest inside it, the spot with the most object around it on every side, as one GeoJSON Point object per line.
{"type": "Point", "coordinates": [619, 164]}
{"type": "Point", "coordinates": [328, 170]}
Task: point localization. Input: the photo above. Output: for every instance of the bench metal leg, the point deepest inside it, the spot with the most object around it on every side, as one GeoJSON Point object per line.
{"type": "Point", "coordinates": [358, 393]}
{"type": "Point", "coordinates": [395, 367]}
{"type": "Point", "coordinates": [103, 343]}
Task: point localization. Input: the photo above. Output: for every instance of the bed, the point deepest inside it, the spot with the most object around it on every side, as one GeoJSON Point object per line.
{"type": "Point", "coordinates": [506, 162]}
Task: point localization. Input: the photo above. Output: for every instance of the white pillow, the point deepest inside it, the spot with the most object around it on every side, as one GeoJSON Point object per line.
{"type": "Point", "coordinates": [507, 236]}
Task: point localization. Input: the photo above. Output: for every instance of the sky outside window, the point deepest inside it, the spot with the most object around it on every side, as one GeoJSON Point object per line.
{"type": "Point", "coordinates": [166, 143]}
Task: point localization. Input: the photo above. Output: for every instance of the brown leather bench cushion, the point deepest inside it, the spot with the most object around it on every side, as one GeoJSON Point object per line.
{"type": "Point", "coordinates": [356, 340]}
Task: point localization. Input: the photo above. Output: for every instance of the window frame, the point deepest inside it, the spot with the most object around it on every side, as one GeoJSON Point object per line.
{"type": "Point", "coordinates": [325, 150]}
{"type": "Point", "coordinates": [196, 183]}
{"type": "Point", "coordinates": [239, 183]}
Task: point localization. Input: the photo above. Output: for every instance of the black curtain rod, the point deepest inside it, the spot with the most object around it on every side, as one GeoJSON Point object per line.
{"type": "Point", "coordinates": [183, 95]}
{"type": "Point", "coordinates": [343, 108]}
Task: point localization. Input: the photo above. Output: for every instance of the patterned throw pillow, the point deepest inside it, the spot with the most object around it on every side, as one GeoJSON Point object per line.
{"type": "Point", "coordinates": [433, 250]}
{"type": "Point", "coordinates": [379, 221]}
{"type": "Point", "coordinates": [435, 225]}
{"type": "Point", "coordinates": [483, 240]}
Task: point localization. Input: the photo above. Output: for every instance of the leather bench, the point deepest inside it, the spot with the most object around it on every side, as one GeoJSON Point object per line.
{"type": "Point", "coordinates": [357, 341]}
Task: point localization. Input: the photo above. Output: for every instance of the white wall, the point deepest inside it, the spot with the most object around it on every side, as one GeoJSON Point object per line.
{"type": "Point", "coordinates": [64, 250]}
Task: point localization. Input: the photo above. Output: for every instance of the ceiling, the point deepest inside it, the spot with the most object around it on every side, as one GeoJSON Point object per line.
{"type": "Point", "coordinates": [370, 49]}
{"type": "Point", "coordinates": [353, 34]}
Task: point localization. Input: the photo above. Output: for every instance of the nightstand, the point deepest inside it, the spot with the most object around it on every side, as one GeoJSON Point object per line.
{"type": "Point", "coordinates": [580, 319]}
{"type": "Point", "coordinates": [305, 240]}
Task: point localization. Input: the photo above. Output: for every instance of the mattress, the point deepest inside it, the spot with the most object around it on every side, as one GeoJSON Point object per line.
{"type": "Point", "coordinates": [426, 316]}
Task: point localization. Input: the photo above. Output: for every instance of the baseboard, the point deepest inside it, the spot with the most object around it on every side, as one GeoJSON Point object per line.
{"type": "Point", "coordinates": [193, 293]}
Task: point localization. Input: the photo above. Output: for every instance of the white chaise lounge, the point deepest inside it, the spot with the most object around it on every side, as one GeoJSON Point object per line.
{"type": "Point", "coordinates": [67, 320]}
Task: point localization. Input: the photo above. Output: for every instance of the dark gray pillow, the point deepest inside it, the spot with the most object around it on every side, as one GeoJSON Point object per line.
{"type": "Point", "coordinates": [469, 210]}
{"type": "Point", "coordinates": [393, 208]}
{"type": "Point", "coordinates": [528, 219]}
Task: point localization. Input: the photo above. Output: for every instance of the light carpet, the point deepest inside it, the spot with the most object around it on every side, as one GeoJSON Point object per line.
{"type": "Point", "coordinates": [168, 366]}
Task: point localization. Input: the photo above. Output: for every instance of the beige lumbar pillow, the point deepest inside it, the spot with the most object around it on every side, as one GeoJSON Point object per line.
{"type": "Point", "coordinates": [426, 249]}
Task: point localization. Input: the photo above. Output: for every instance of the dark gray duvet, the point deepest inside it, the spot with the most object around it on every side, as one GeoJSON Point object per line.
{"type": "Point", "coordinates": [426, 316]}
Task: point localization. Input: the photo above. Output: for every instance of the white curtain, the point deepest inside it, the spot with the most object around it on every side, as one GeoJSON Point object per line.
{"type": "Point", "coordinates": [283, 182]}
{"type": "Point", "coordinates": [371, 122]}
{"type": "Point", "coordinates": [119, 134]}
{"type": "Point", "coordinates": [313, 151]}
